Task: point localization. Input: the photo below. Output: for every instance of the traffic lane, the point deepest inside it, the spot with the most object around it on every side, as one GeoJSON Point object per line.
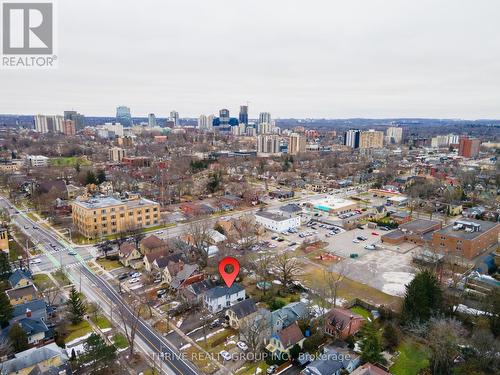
{"type": "Point", "coordinates": [157, 343]}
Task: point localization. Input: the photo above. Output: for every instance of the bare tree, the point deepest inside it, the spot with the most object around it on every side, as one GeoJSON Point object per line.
{"type": "Point", "coordinates": [253, 330]}
{"type": "Point", "coordinates": [130, 318]}
{"type": "Point", "coordinates": [5, 347]}
{"type": "Point", "coordinates": [289, 269]}
{"type": "Point", "coordinates": [199, 237]}
{"type": "Point", "coordinates": [334, 280]}
{"type": "Point", "coordinates": [444, 337]}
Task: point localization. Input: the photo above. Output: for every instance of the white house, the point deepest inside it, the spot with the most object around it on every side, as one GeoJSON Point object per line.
{"type": "Point", "coordinates": [221, 297]}
{"type": "Point", "coordinates": [277, 222]}
{"type": "Point", "coordinates": [37, 161]}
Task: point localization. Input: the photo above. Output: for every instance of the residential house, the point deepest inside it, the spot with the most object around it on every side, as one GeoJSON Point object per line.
{"type": "Point", "coordinates": [369, 369]}
{"type": "Point", "coordinates": [36, 307]}
{"type": "Point", "coordinates": [36, 329]}
{"type": "Point", "coordinates": [323, 366]}
{"type": "Point", "coordinates": [186, 275]}
{"type": "Point", "coordinates": [240, 311]}
{"type": "Point", "coordinates": [221, 297]}
{"type": "Point", "coordinates": [20, 278]}
{"type": "Point", "coordinates": [21, 295]}
{"type": "Point", "coordinates": [152, 244]}
{"type": "Point", "coordinates": [342, 323]}
{"type": "Point", "coordinates": [288, 315]}
{"type": "Point", "coordinates": [47, 360]}
{"type": "Point", "coordinates": [282, 341]}
{"type": "Point", "coordinates": [130, 256]}
{"type": "Point", "coordinates": [196, 291]}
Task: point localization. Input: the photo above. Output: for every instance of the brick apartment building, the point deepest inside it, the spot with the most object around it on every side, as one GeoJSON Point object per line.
{"type": "Point", "coordinates": [466, 238]}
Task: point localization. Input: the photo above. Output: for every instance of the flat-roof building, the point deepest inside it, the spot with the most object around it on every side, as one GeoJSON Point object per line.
{"type": "Point", "coordinates": [101, 216]}
{"type": "Point", "coordinates": [277, 222]}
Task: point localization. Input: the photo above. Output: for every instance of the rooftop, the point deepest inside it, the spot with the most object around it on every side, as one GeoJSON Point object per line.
{"type": "Point", "coordinates": [419, 225]}
{"type": "Point", "coordinates": [484, 226]}
{"type": "Point", "coordinates": [272, 216]}
{"type": "Point", "coordinates": [109, 201]}
{"type": "Point", "coordinates": [220, 291]}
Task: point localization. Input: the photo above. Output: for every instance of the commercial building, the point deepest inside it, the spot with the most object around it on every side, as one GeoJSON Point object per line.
{"type": "Point", "coordinates": [296, 144]}
{"type": "Point", "coordinates": [333, 205]}
{"type": "Point", "coordinates": [265, 117]}
{"type": "Point", "coordinates": [394, 134]}
{"type": "Point", "coordinates": [151, 120]}
{"type": "Point", "coordinates": [37, 161]}
{"type": "Point", "coordinates": [93, 217]}
{"type": "Point", "coordinates": [123, 116]}
{"type": "Point", "coordinates": [174, 117]}
{"type": "Point", "coordinates": [243, 117]}
{"type": "Point", "coordinates": [351, 138]}
{"type": "Point", "coordinates": [466, 238]}
{"type": "Point", "coordinates": [277, 222]}
{"type": "Point", "coordinates": [268, 144]}
{"type": "Point", "coordinates": [78, 118]}
{"type": "Point", "coordinates": [116, 154]}
{"type": "Point", "coordinates": [371, 139]}
{"type": "Point", "coordinates": [418, 231]}
{"type": "Point", "coordinates": [468, 147]}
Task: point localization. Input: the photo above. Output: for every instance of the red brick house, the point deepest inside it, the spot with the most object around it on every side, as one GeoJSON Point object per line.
{"type": "Point", "coordinates": [342, 323]}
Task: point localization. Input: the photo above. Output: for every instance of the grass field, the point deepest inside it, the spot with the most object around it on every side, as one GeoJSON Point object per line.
{"type": "Point", "coordinates": [108, 264]}
{"type": "Point", "coordinates": [78, 330]}
{"type": "Point", "coordinates": [61, 278]}
{"type": "Point", "coordinates": [120, 340]}
{"type": "Point", "coordinates": [42, 281]}
{"type": "Point", "coordinates": [412, 358]}
{"type": "Point", "coordinates": [70, 161]}
{"type": "Point", "coordinates": [361, 311]}
{"type": "Point", "coordinates": [101, 321]}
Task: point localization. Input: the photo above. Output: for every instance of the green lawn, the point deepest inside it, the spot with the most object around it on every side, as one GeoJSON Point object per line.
{"type": "Point", "coordinates": [42, 281]}
{"type": "Point", "coordinates": [15, 251]}
{"type": "Point", "coordinates": [79, 330]}
{"type": "Point", "coordinates": [361, 311]}
{"type": "Point", "coordinates": [61, 278]}
{"type": "Point", "coordinates": [71, 161]}
{"type": "Point", "coordinates": [412, 358]}
{"type": "Point", "coordinates": [108, 264]}
{"type": "Point", "coordinates": [101, 321]}
{"type": "Point", "coordinates": [120, 340]}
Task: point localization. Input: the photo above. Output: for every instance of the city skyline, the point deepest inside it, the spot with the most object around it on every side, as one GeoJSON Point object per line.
{"type": "Point", "coordinates": [377, 60]}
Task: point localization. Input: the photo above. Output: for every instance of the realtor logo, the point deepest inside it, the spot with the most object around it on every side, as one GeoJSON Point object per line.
{"type": "Point", "coordinates": [28, 34]}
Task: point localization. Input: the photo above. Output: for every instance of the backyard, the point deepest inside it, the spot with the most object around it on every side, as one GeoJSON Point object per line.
{"type": "Point", "coordinates": [412, 358]}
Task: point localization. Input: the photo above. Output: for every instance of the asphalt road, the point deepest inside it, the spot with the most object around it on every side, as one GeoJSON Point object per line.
{"type": "Point", "coordinates": [56, 252]}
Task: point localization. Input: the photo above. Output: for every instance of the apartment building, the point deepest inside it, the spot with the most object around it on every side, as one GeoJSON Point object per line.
{"type": "Point", "coordinates": [466, 238]}
{"type": "Point", "coordinates": [296, 144]}
{"type": "Point", "coordinates": [371, 139]}
{"type": "Point", "coordinates": [102, 216]}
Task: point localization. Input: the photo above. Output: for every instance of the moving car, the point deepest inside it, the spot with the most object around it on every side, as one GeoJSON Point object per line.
{"type": "Point", "coordinates": [123, 276]}
{"type": "Point", "coordinates": [72, 252]}
{"type": "Point", "coordinates": [370, 247]}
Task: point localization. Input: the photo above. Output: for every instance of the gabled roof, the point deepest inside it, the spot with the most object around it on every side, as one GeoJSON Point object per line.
{"type": "Point", "coordinates": [31, 357]}
{"type": "Point", "coordinates": [369, 369]}
{"type": "Point", "coordinates": [152, 242]}
{"type": "Point", "coordinates": [202, 286]}
{"type": "Point", "coordinates": [326, 366]}
{"type": "Point", "coordinates": [290, 335]}
{"type": "Point", "coordinates": [220, 291]}
{"type": "Point", "coordinates": [33, 305]}
{"type": "Point", "coordinates": [341, 316]}
{"type": "Point", "coordinates": [21, 292]}
{"type": "Point", "coordinates": [32, 326]}
{"type": "Point", "coordinates": [127, 248]}
{"type": "Point", "coordinates": [244, 308]}
{"type": "Point", "coordinates": [18, 275]}
{"type": "Point", "coordinates": [290, 313]}
{"type": "Point", "coordinates": [187, 271]}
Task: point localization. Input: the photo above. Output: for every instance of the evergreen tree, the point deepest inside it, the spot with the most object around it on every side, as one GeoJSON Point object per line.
{"type": "Point", "coordinates": [101, 176]}
{"type": "Point", "coordinates": [5, 269]}
{"type": "Point", "coordinates": [91, 178]}
{"type": "Point", "coordinates": [97, 351]}
{"type": "Point", "coordinates": [18, 338]}
{"type": "Point", "coordinates": [76, 306]}
{"type": "Point", "coordinates": [391, 336]}
{"type": "Point", "coordinates": [5, 310]}
{"type": "Point", "coordinates": [423, 298]}
{"type": "Point", "coordinates": [295, 351]}
{"type": "Point", "coordinates": [371, 347]}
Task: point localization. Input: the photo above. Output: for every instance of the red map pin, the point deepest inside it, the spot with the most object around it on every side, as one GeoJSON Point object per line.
{"type": "Point", "coordinates": [230, 276]}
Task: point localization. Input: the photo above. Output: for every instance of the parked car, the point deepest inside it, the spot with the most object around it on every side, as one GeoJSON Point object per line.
{"type": "Point", "coordinates": [242, 345]}
{"type": "Point", "coordinates": [370, 247]}
{"type": "Point", "coordinates": [271, 369]}
{"type": "Point", "coordinates": [216, 323]}
{"type": "Point", "coordinates": [355, 241]}
{"type": "Point", "coordinates": [161, 293]}
{"type": "Point", "coordinates": [384, 228]}
{"type": "Point", "coordinates": [136, 275]}
{"type": "Point", "coordinates": [123, 276]}
{"type": "Point", "coordinates": [361, 238]}
{"type": "Point", "coordinates": [375, 234]}
{"type": "Point", "coordinates": [134, 280]}
{"type": "Point", "coordinates": [224, 354]}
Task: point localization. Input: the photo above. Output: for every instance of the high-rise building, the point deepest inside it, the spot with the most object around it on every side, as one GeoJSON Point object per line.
{"type": "Point", "coordinates": [268, 144]}
{"type": "Point", "coordinates": [394, 134]}
{"type": "Point", "coordinates": [224, 116]}
{"type": "Point", "coordinates": [453, 139]}
{"type": "Point", "coordinates": [351, 138]}
{"type": "Point", "coordinates": [243, 114]}
{"type": "Point", "coordinates": [296, 144]}
{"type": "Point", "coordinates": [116, 154]}
{"type": "Point", "coordinates": [202, 122]}
{"type": "Point", "coordinates": [151, 120]}
{"type": "Point", "coordinates": [439, 141]}
{"type": "Point", "coordinates": [264, 128]}
{"type": "Point", "coordinates": [49, 124]}
{"type": "Point", "coordinates": [123, 116]}
{"type": "Point", "coordinates": [78, 118]}
{"type": "Point", "coordinates": [69, 127]}
{"type": "Point", "coordinates": [264, 117]}
{"type": "Point", "coordinates": [468, 147]}
{"type": "Point", "coordinates": [371, 139]}
{"type": "Point", "coordinates": [174, 116]}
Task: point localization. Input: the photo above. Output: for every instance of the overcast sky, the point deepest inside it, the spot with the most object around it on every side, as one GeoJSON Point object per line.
{"type": "Point", "coordinates": [293, 58]}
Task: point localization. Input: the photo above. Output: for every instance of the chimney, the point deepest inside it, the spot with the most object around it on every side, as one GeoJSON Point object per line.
{"type": "Point", "coordinates": [28, 313]}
